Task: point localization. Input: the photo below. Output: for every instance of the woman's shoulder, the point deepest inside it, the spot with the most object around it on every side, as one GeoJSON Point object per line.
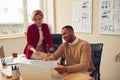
{"type": "Point", "coordinates": [44, 24]}
{"type": "Point", "coordinates": [32, 25]}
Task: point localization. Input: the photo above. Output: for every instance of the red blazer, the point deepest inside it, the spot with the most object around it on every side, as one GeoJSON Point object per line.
{"type": "Point", "coordinates": [33, 38]}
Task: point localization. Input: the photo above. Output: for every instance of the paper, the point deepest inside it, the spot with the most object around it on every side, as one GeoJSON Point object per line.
{"type": "Point", "coordinates": [10, 60]}
{"type": "Point", "coordinates": [82, 15]}
{"type": "Point", "coordinates": [106, 26]}
{"type": "Point", "coordinates": [117, 22]}
{"type": "Point", "coordinates": [50, 64]}
{"type": "Point", "coordinates": [118, 5]}
{"type": "Point", "coordinates": [7, 71]}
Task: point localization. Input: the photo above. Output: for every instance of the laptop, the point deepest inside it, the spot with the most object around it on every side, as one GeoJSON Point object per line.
{"type": "Point", "coordinates": [4, 59]}
{"type": "Point", "coordinates": [2, 55]}
{"type": "Point", "coordinates": [36, 72]}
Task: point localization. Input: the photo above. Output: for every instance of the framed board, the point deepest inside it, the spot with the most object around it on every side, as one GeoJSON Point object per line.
{"type": "Point", "coordinates": [82, 15]}
{"type": "Point", "coordinates": [109, 17]}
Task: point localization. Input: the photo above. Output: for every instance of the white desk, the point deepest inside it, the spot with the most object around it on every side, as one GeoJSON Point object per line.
{"type": "Point", "coordinates": [66, 76]}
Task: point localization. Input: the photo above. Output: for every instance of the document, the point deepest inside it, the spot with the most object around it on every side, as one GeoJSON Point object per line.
{"type": "Point", "coordinates": [50, 64]}
{"type": "Point", "coordinates": [7, 71]}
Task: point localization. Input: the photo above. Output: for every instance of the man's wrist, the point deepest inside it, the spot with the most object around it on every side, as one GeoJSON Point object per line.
{"type": "Point", "coordinates": [51, 51]}
{"type": "Point", "coordinates": [65, 68]}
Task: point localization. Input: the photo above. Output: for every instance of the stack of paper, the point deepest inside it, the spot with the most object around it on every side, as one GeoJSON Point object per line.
{"type": "Point", "coordinates": [7, 71]}
{"type": "Point", "coordinates": [50, 64]}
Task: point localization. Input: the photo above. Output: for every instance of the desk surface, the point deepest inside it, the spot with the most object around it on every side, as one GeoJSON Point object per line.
{"type": "Point", "coordinates": [71, 76]}
{"type": "Point", "coordinates": [66, 76]}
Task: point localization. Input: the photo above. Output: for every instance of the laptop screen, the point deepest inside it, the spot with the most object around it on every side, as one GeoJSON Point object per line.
{"type": "Point", "coordinates": [34, 72]}
{"type": "Point", "coordinates": [6, 60]}
{"type": "Point", "coordinates": [2, 54]}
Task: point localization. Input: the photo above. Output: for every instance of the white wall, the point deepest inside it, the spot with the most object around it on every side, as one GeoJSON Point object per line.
{"type": "Point", "coordinates": [109, 69]}
{"type": "Point", "coordinates": [13, 45]}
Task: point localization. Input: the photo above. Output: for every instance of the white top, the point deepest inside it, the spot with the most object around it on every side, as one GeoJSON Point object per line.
{"type": "Point", "coordinates": [41, 37]}
{"type": "Point", "coordinates": [74, 42]}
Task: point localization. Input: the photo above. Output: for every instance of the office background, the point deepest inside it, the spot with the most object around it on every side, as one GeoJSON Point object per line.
{"type": "Point", "coordinates": [63, 16]}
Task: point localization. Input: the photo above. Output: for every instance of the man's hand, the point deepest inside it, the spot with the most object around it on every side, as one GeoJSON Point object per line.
{"type": "Point", "coordinates": [46, 58]}
{"type": "Point", "coordinates": [61, 69]}
{"type": "Point", "coordinates": [48, 54]}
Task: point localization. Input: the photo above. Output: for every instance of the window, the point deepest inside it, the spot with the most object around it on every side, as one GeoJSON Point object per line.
{"type": "Point", "coordinates": [15, 15]}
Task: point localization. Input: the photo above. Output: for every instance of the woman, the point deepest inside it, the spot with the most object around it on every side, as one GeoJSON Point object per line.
{"type": "Point", "coordinates": [38, 37]}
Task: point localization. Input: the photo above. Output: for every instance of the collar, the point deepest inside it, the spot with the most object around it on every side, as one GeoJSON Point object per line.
{"type": "Point", "coordinates": [40, 28]}
{"type": "Point", "coordinates": [74, 42]}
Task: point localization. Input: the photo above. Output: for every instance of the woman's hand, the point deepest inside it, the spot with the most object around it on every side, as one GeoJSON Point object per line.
{"type": "Point", "coordinates": [48, 54]}
{"type": "Point", "coordinates": [36, 53]}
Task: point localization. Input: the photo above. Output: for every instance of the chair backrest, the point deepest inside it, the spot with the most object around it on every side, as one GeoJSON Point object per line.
{"type": "Point", "coordinates": [57, 40]}
{"type": "Point", "coordinates": [96, 54]}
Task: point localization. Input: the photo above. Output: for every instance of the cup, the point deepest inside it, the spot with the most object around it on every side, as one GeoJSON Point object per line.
{"type": "Point", "coordinates": [14, 55]}
{"type": "Point", "coordinates": [15, 73]}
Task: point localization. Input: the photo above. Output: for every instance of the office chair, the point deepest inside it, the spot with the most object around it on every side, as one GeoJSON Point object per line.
{"type": "Point", "coordinates": [96, 56]}
{"type": "Point", "coordinates": [57, 40]}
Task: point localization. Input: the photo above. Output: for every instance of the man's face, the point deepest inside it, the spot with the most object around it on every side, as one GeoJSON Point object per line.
{"type": "Point", "coordinates": [66, 35]}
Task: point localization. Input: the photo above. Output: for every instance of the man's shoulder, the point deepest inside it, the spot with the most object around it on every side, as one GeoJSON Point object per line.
{"type": "Point", "coordinates": [81, 41]}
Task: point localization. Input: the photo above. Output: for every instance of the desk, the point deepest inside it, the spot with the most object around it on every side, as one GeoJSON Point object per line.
{"type": "Point", "coordinates": [71, 76]}
{"type": "Point", "coordinates": [66, 76]}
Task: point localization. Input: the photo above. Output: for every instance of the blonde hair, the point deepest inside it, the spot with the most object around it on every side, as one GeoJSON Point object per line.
{"type": "Point", "coordinates": [36, 12]}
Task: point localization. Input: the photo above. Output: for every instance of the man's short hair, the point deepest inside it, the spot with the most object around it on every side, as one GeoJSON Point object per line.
{"type": "Point", "coordinates": [68, 27]}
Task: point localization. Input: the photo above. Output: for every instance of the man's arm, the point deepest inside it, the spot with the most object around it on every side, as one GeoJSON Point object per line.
{"type": "Point", "coordinates": [49, 58]}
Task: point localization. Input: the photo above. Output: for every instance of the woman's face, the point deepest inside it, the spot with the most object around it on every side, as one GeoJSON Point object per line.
{"type": "Point", "coordinates": [38, 20]}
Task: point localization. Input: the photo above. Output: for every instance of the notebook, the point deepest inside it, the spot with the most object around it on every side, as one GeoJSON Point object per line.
{"type": "Point", "coordinates": [36, 72]}
{"type": "Point", "coordinates": [7, 60]}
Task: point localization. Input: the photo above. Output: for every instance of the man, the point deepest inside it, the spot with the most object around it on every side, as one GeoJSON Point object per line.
{"type": "Point", "coordinates": [77, 53]}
